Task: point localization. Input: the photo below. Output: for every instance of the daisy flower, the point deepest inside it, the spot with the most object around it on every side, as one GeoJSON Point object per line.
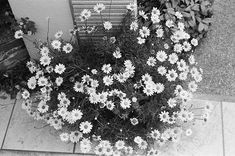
{"type": "Point", "coordinates": [151, 61]}
{"type": "Point", "coordinates": [178, 15]}
{"type": "Point", "coordinates": [67, 48]}
{"type": "Point", "coordinates": [44, 51]}
{"type": "Point", "coordinates": [191, 59]}
{"type": "Point", "coordinates": [85, 15]}
{"type": "Point", "coordinates": [169, 23]}
{"type": "Point", "coordinates": [161, 56]}
{"type": "Point", "coordinates": [132, 6]}
{"type": "Point", "coordinates": [64, 137]}
{"type": "Point", "coordinates": [155, 134]}
{"type": "Point", "coordinates": [125, 103]}
{"type": "Point", "coordinates": [32, 82]}
{"type": "Point", "coordinates": [99, 7]}
{"type": "Point", "coordinates": [108, 80]}
{"type": "Point", "coordinates": [144, 32]}
{"type": "Point", "coordinates": [76, 114]}
{"type": "Point", "coordinates": [110, 105]}
{"type": "Point", "coordinates": [178, 48]}
{"type": "Point", "coordinates": [61, 96]}
{"type": "Point", "coordinates": [94, 71]}
{"type": "Point", "coordinates": [171, 75]}
{"type": "Point", "coordinates": [173, 58]}
{"type": "Point", "coordinates": [63, 112]}
{"type": "Point", "coordinates": [146, 77]}
{"type": "Point", "coordinates": [155, 19]}
{"type": "Point", "coordinates": [159, 88]}
{"type": "Point", "coordinates": [187, 46]}
{"type": "Point", "coordinates": [107, 25]}
{"type": "Point", "coordinates": [58, 34]}
{"type": "Point", "coordinates": [161, 70]}
{"type": "Point", "coordinates": [85, 145]}
{"type": "Point", "coordinates": [143, 144]}
{"type": "Point", "coordinates": [19, 34]}
{"type": "Point", "coordinates": [134, 121]}
{"type": "Point", "coordinates": [59, 81]}
{"type": "Point", "coordinates": [120, 144]}
{"type": "Point", "coordinates": [134, 25]}
{"type": "Point", "coordinates": [171, 102]}
{"type": "Point", "coordinates": [107, 68]}
{"type": "Point", "coordinates": [60, 68]}
{"type": "Point", "coordinates": [194, 42]}
{"type": "Point", "coordinates": [117, 54]}
{"type": "Point", "coordinates": [75, 136]}
{"type": "Point", "coordinates": [164, 116]}
{"type": "Point", "coordinates": [45, 60]}
{"type": "Point", "coordinates": [141, 40]}
{"type": "Point", "coordinates": [138, 139]}
{"type": "Point", "coordinates": [85, 127]}
{"type": "Point", "coordinates": [181, 26]}
{"type": "Point", "coordinates": [42, 107]}
{"type": "Point", "coordinates": [56, 44]}
{"type": "Point", "coordinates": [159, 32]}
{"type": "Point", "coordinates": [181, 65]}
{"type": "Point", "coordinates": [25, 94]}
{"type": "Point", "coordinates": [192, 86]}
{"type": "Point", "coordinates": [183, 76]}
{"type": "Point", "coordinates": [42, 81]}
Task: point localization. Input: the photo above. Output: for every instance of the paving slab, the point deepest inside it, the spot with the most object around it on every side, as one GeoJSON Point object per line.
{"type": "Point", "coordinates": [229, 128]}
{"type": "Point", "coordinates": [24, 133]}
{"type": "Point", "coordinates": [207, 139]}
{"type": "Point", "coordinates": [27, 153]}
{"type": "Point", "coordinates": [6, 106]}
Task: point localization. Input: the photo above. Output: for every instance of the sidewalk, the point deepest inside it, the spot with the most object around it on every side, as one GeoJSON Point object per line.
{"type": "Point", "coordinates": [20, 135]}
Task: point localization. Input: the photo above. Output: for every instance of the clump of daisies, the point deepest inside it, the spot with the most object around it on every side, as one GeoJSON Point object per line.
{"type": "Point", "coordinates": [126, 95]}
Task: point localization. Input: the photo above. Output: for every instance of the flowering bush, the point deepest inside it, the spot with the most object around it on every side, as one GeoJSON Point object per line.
{"type": "Point", "coordinates": [126, 94]}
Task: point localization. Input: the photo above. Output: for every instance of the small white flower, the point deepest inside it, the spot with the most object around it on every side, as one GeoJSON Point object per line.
{"type": "Point", "coordinates": [117, 53]}
{"type": "Point", "coordinates": [45, 60]}
{"type": "Point", "coordinates": [107, 68]}
{"type": "Point", "coordinates": [78, 87]}
{"type": "Point", "coordinates": [85, 127]}
{"type": "Point", "coordinates": [67, 48]}
{"type": "Point", "coordinates": [164, 116]}
{"type": "Point", "coordinates": [56, 44]}
{"type": "Point", "coordinates": [178, 15]}
{"type": "Point", "coordinates": [140, 40]}
{"type": "Point", "coordinates": [161, 56]}
{"type": "Point", "coordinates": [159, 88]}
{"type": "Point", "coordinates": [171, 102]}
{"type": "Point", "coordinates": [173, 58]}
{"type": "Point", "coordinates": [169, 23]}
{"type": "Point", "coordinates": [58, 34]}
{"type": "Point", "coordinates": [125, 103]}
{"type": "Point", "coordinates": [19, 34]}
{"type": "Point", "coordinates": [144, 32]}
{"type": "Point", "coordinates": [94, 71]}
{"type": "Point", "coordinates": [181, 26]}
{"type": "Point", "coordinates": [143, 15]}
{"type": "Point", "coordinates": [42, 81]}
{"type": "Point", "coordinates": [194, 42]}
{"type": "Point", "coordinates": [171, 75]}
{"type": "Point", "coordinates": [25, 94]}
{"type": "Point", "coordinates": [44, 51]}
{"type": "Point", "coordinates": [76, 114]}
{"type": "Point", "coordinates": [60, 68]}
{"type": "Point", "coordinates": [134, 99]}
{"type": "Point", "coordinates": [181, 65]}
{"type": "Point", "coordinates": [151, 61]}
{"type": "Point", "coordinates": [108, 80]}
{"type": "Point", "coordinates": [64, 137]}
{"type": "Point", "coordinates": [120, 144]}
{"type": "Point", "coordinates": [59, 81]}
{"type": "Point", "coordinates": [192, 86]}
{"type": "Point", "coordinates": [138, 139]}
{"type": "Point", "coordinates": [187, 46]}
{"type": "Point", "coordinates": [155, 134]}
{"type": "Point", "coordinates": [32, 82]}
{"type": "Point", "coordinates": [159, 32]}
{"type": "Point", "coordinates": [85, 15]}
{"type": "Point", "coordinates": [107, 25]}
{"type": "Point", "coordinates": [161, 70]}
{"type": "Point", "coordinates": [132, 6]}
{"type": "Point", "coordinates": [134, 121]}
{"type": "Point", "coordinates": [178, 48]}
{"type": "Point", "coordinates": [134, 26]}
{"type": "Point", "coordinates": [146, 78]}
{"type": "Point", "coordinates": [99, 7]}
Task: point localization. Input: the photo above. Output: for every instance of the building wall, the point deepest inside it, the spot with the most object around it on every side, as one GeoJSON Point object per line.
{"type": "Point", "coordinates": [58, 12]}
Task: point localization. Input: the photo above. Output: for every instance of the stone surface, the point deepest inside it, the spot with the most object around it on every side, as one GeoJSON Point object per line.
{"type": "Point", "coordinates": [229, 128]}
{"type": "Point", "coordinates": [216, 53]}
{"type": "Point", "coordinates": [6, 106]}
{"type": "Point", "coordinates": [206, 139]}
{"type": "Point", "coordinates": [24, 133]}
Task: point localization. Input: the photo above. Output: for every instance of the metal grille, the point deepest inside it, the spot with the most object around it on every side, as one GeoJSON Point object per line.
{"type": "Point", "coordinates": [114, 10]}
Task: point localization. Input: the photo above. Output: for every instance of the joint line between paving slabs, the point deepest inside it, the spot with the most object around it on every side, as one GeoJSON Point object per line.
{"type": "Point", "coordinates": [74, 147]}
{"type": "Point", "coordinates": [222, 123]}
{"type": "Point", "coordinates": [8, 124]}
